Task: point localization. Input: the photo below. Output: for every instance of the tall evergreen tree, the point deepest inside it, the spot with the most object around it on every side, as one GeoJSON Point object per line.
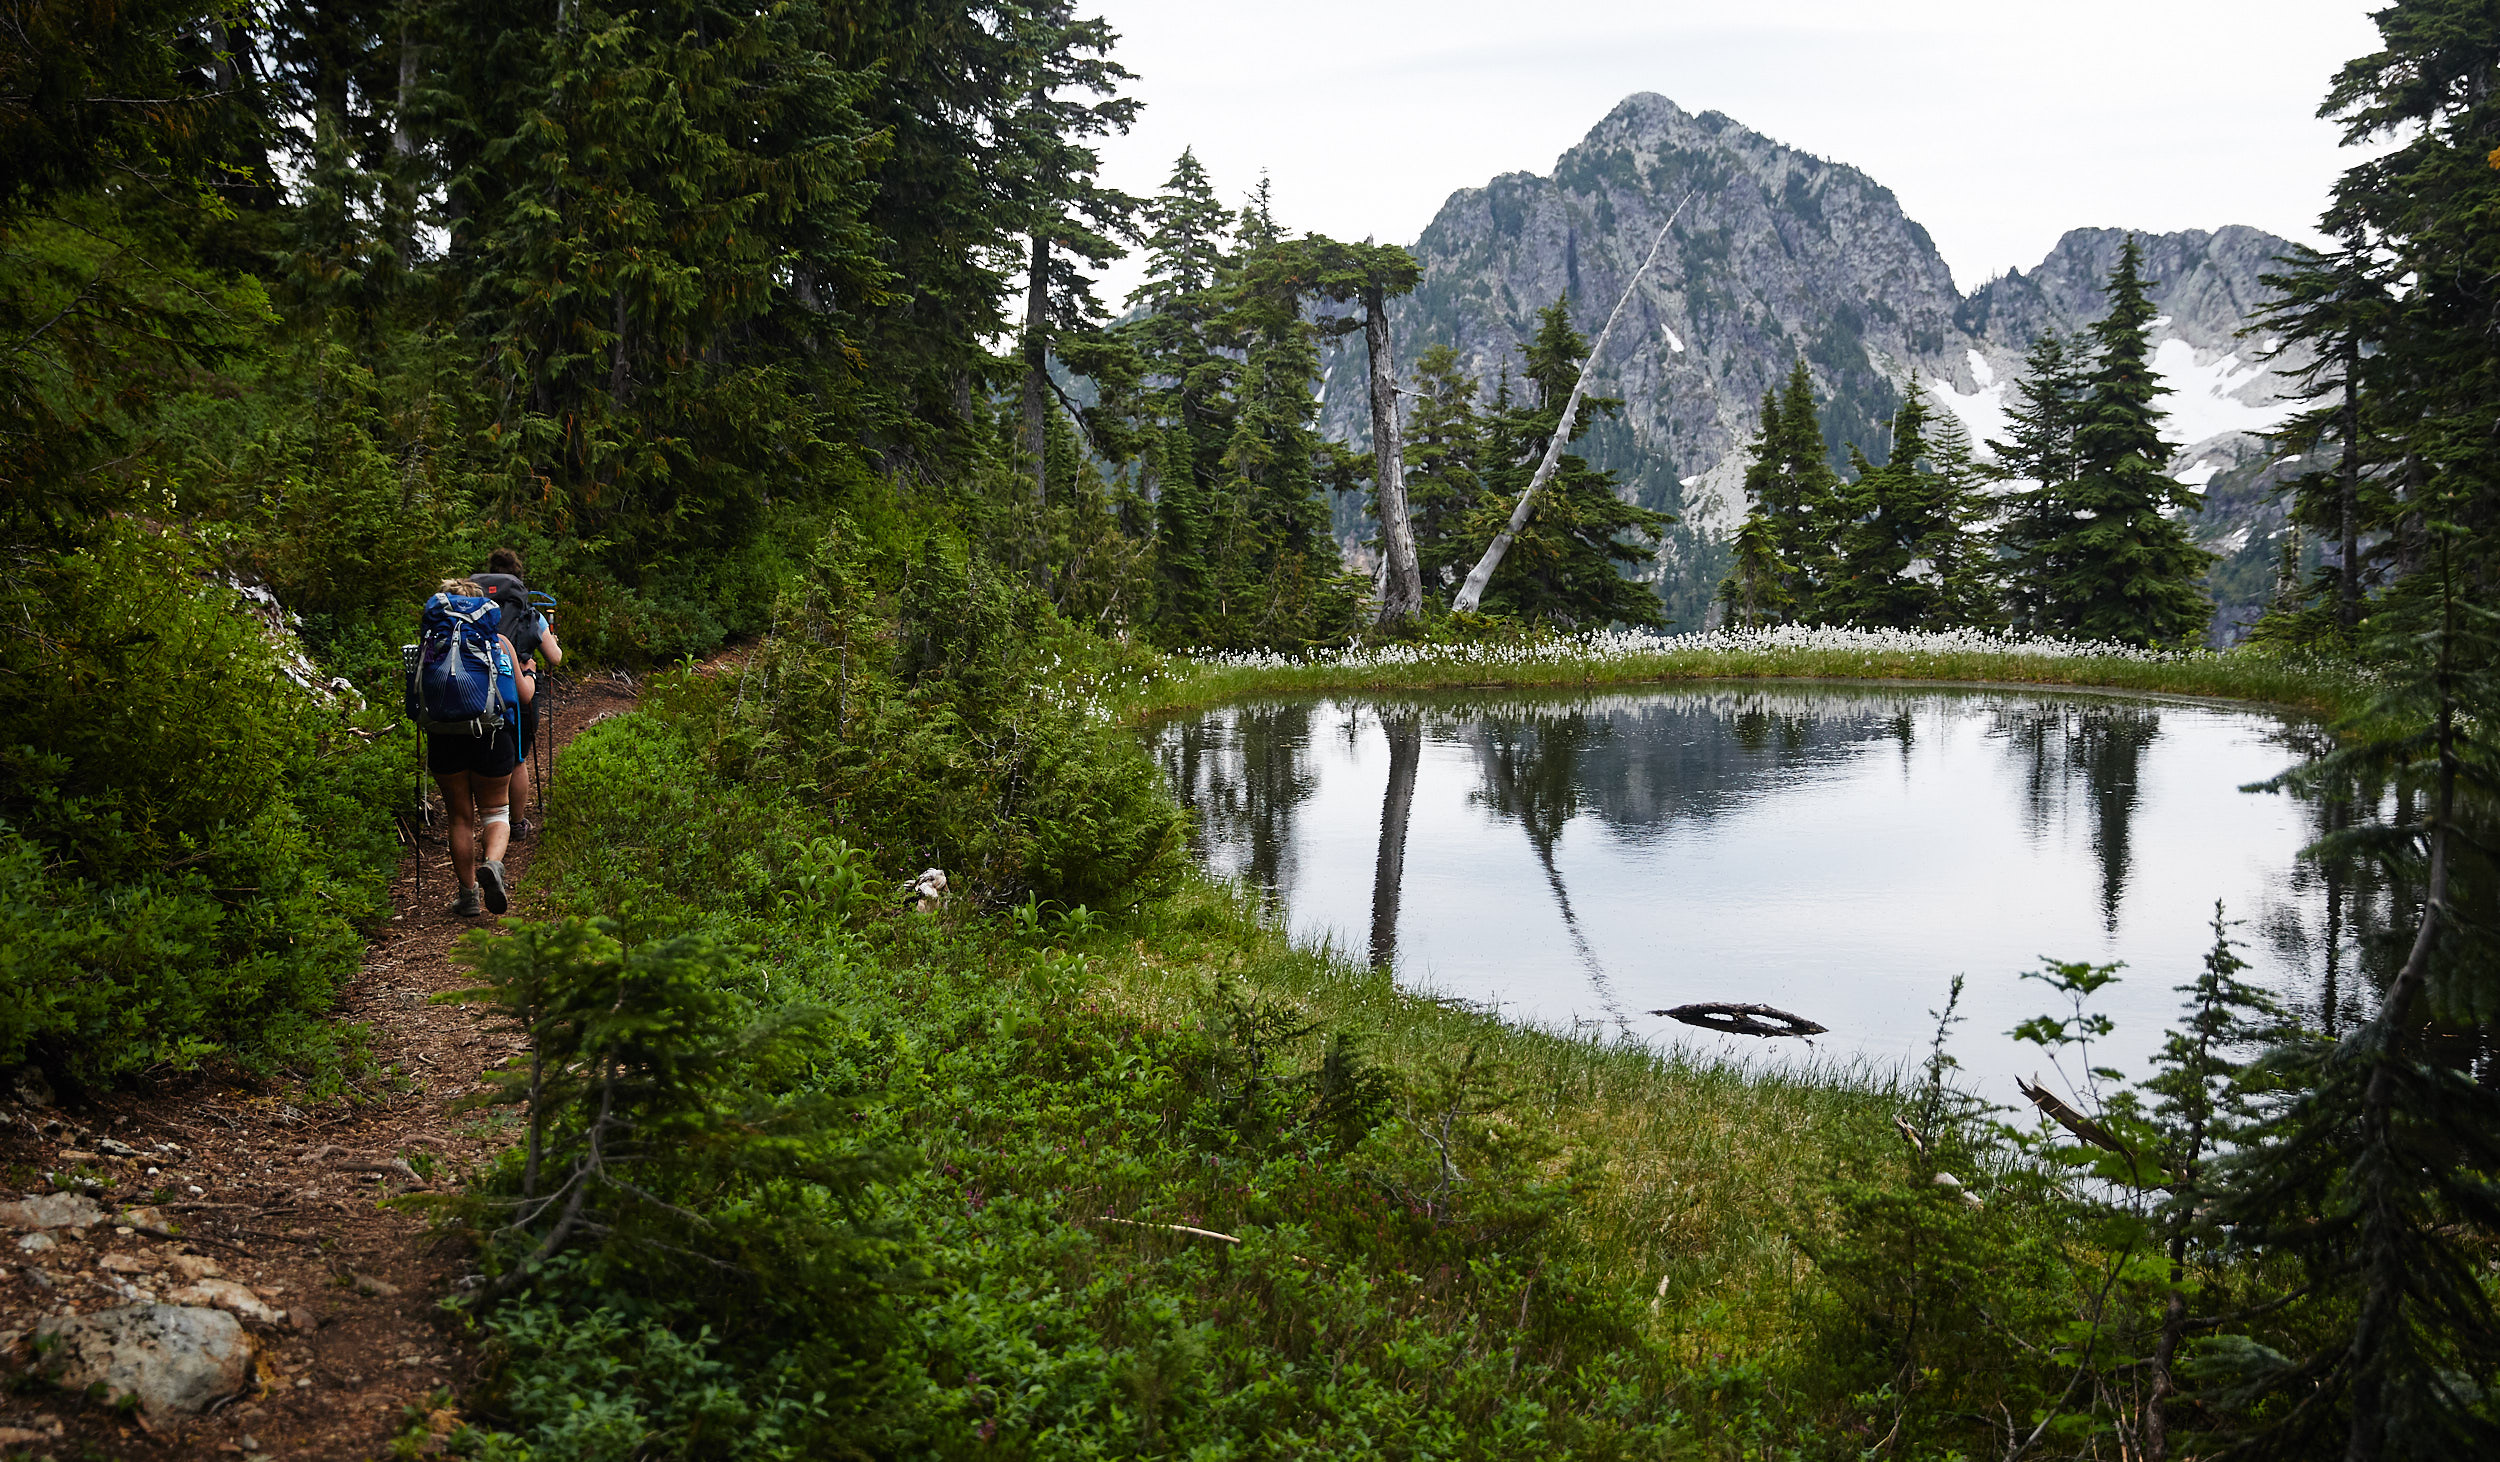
{"type": "Point", "coordinates": [1185, 400]}
{"type": "Point", "coordinates": [2338, 304]}
{"type": "Point", "coordinates": [2040, 518]}
{"type": "Point", "coordinates": [2376, 1184]}
{"type": "Point", "coordinates": [2100, 553]}
{"type": "Point", "coordinates": [1444, 446]}
{"type": "Point", "coordinates": [1795, 522]}
{"type": "Point", "coordinates": [1371, 275]}
{"type": "Point", "coordinates": [1907, 556]}
{"type": "Point", "coordinates": [1566, 566]}
{"type": "Point", "coordinates": [1279, 579]}
{"type": "Point", "coordinates": [1071, 91]}
{"type": "Point", "coordinates": [1755, 591]}
{"type": "Point", "coordinates": [660, 186]}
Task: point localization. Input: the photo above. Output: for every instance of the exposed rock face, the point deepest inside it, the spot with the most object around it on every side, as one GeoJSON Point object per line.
{"type": "Point", "coordinates": [171, 1359]}
{"type": "Point", "coordinates": [1782, 254]}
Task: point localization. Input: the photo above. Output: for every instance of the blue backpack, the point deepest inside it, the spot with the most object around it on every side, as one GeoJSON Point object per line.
{"type": "Point", "coordinates": [451, 681]}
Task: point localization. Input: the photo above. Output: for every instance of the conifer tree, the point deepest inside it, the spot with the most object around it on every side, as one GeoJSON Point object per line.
{"type": "Point", "coordinates": [1069, 215]}
{"type": "Point", "coordinates": [1279, 579]}
{"type": "Point", "coordinates": [657, 184]}
{"type": "Point", "coordinates": [2338, 304]}
{"type": "Point", "coordinates": [2099, 553]}
{"type": "Point", "coordinates": [1444, 443]}
{"type": "Point", "coordinates": [1371, 275]}
{"type": "Point", "coordinates": [2375, 1183]}
{"type": "Point", "coordinates": [1794, 524]}
{"type": "Point", "coordinates": [1185, 400]}
{"type": "Point", "coordinates": [1907, 557]}
{"type": "Point", "coordinates": [1755, 591]}
{"type": "Point", "coordinates": [1565, 567]}
{"type": "Point", "coordinates": [2041, 458]}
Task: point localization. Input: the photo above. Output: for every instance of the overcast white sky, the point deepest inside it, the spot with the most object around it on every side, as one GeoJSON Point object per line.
{"type": "Point", "coordinates": [2000, 124]}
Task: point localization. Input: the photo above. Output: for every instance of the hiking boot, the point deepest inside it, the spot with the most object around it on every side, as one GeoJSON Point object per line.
{"type": "Point", "coordinates": [466, 906]}
{"type": "Point", "coordinates": [490, 879]}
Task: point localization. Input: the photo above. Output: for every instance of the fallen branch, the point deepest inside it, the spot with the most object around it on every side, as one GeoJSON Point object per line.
{"type": "Point", "coordinates": [1743, 1020]}
{"type": "Point", "coordinates": [1177, 1228]}
{"type": "Point", "coordinates": [1909, 1134]}
{"type": "Point", "coordinates": [154, 1232]}
{"type": "Point", "coordinates": [2072, 1120]}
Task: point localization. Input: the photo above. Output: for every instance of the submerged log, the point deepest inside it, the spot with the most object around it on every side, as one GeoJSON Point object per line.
{"type": "Point", "coordinates": [1743, 1020]}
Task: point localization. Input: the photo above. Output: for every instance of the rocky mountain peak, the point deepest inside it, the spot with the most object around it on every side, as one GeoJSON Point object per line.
{"type": "Point", "coordinates": [1781, 254]}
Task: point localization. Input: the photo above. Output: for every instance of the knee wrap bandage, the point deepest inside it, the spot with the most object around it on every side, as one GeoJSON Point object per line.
{"type": "Point", "coordinates": [497, 814]}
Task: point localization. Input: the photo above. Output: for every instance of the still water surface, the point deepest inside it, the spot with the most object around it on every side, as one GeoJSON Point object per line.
{"type": "Point", "coordinates": [1833, 849]}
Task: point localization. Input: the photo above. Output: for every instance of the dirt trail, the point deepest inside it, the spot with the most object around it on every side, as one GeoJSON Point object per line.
{"type": "Point", "coordinates": [282, 1194]}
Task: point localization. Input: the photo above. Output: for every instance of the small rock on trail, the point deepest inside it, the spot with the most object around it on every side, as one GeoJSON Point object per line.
{"type": "Point", "coordinates": [172, 1359]}
{"type": "Point", "coordinates": [51, 1210]}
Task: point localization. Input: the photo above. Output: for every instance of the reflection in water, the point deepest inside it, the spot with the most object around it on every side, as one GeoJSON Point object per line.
{"type": "Point", "coordinates": [1244, 781]}
{"type": "Point", "coordinates": [2098, 750]}
{"type": "Point", "coordinates": [1841, 850]}
{"type": "Point", "coordinates": [1531, 775]}
{"type": "Point", "coordinates": [1397, 804]}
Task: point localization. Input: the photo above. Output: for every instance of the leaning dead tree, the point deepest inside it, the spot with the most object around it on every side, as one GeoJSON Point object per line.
{"type": "Point", "coordinates": [1471, 593]}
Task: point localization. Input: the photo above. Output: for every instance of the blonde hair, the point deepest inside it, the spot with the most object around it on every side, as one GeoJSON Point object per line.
{"type": "Point", "coordinates": [461, 586]}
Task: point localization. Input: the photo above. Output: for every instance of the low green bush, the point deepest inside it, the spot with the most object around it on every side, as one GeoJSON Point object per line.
{"type": "Point", "coordinates": [932, 724]}
{"type": "Point", "coordinates": [189, 834]}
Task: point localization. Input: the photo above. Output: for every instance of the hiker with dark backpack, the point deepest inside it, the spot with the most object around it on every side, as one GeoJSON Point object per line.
{"type": "Point", "coordinates": [533, 636]}
{"type": "Point", "coordinates": [465, 691]}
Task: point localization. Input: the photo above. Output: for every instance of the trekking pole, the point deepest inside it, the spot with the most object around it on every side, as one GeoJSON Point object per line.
{"type": "Point", "coordinates": [416, 811]}
{"type": "Point", "coordinates": [546, 758]}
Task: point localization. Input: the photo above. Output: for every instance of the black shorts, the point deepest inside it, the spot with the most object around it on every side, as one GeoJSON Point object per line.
{"type": "Point", "coordinates": [479, 756]}
{"type": "Point", "coordinates": [529, 726]}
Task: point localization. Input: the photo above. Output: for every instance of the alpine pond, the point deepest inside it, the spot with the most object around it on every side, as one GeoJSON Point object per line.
{"type": "Point", "coordinates": [1833, 849]}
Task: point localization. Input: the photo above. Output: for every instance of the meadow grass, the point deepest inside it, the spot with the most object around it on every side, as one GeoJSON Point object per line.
{"type": "Point", "coordinates": [1705, 1167]}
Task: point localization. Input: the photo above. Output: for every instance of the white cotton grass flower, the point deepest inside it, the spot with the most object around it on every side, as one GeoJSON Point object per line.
{"type": "Point", "coordinates": [1606, 646]}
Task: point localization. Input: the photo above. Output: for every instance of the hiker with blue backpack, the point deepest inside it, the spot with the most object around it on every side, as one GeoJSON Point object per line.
{"type": "Point", "coordinates": [529, 623]}
{"type": "Point", "coordinates": [466, 692]}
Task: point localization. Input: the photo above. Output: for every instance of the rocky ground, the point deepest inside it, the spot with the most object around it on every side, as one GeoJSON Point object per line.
{"type": "Point", "coordinates": [226, 1247]}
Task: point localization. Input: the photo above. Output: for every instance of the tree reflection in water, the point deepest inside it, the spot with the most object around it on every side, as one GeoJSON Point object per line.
{"type": "Point", "coordinates": [2099, 751]}
{"type": "Point", "coordinates": [1241, 776]}
{"type": "Point", "coordinates": [1532, 775]}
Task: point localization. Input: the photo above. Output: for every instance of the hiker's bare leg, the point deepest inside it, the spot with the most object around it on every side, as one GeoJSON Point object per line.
{"type": "Point", "coordinates": [494, 794]}
{"type": "Point", "coordinates": [461, 806]}
{"type": "Point", "coordinates": [521, 789]}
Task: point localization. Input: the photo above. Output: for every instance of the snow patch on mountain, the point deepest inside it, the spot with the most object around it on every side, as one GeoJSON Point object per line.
{"type": "Point", "coordinates": [2210, 391]}
{"type": "Point", "coordinates": [1982, 412]}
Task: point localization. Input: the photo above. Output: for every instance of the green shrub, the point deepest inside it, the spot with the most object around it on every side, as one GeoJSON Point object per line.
{"type": "Point", "coordinates": [947, 735]}
{"type": "Point", "coordinates": [188, 835]}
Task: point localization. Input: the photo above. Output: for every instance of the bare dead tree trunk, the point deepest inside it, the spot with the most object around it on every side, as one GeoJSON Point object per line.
{"type": "Point", "coordinates": [2348, 607]}
{"type": "Point", "coordinates": [1471, 593]}
{"type": "Point", "coordinates": [404, 156]}
{"type": "Point", "coordinates": [1402, 588]}
{"type": "Point", "coordinates": [1037, 364]}
{"type": "Point", "coordinates": [1397, 804]}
